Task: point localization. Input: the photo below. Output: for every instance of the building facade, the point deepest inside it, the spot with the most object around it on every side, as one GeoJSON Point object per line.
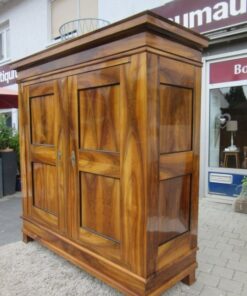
{"type": "Point", "coordinates": [28, 26]}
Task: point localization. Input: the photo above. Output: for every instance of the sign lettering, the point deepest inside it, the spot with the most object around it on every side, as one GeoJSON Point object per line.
{"type": "Point", "coordinates": [7, 76]}
{"type": "Point", "coordinates": [226, 71]}
{"type": "Point", "coordinates": [205, 15]}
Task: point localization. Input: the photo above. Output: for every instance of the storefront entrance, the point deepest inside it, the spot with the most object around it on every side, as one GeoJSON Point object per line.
{"type": "Point", "coordinates": [224, 126]}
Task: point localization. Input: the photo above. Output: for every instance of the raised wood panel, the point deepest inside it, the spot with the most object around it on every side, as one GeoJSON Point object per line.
{"type": "Point", "coordinates": [41, 89]}
{"type": "Point", "coordinates": [100, 205]}
{"type": "Point", "coordinates": [175, 119]}
{"type": "Point", "coordinates": [166, 254]}
{"type": "Point", "coordinates": [43, 120]}
{"type": "Point", "coordinates": [43, 154]}
{"type": "Point", "coordinates": [174, 207]}
{"type": "Point", "coordinates": [170, 73]}
{"type": "Point", "coordinates": [99, 78]}
{"type": "Point", "coordinates": [175, 164]}
{"type": "Point", "coordinates": [100, 244]}
{"type": "Point", "coordinates": [100, 163]}
{"type": "Point", "coordinates": [99, 118]}
{"type": "Point", "coordinates": [45, 218]}
{"type": "Point", "coordinates": [44, 187]}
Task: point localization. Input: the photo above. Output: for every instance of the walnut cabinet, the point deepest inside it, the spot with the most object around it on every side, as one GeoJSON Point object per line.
{"type": "Point", "coordinates": [109, 132]}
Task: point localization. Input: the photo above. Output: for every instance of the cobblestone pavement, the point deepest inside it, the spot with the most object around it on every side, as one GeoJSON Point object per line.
{"type": "Point", "coordinates": [222, 255]}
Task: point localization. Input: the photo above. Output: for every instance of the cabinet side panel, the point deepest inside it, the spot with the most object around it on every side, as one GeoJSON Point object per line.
{"type": "Point", "coordinates": [178, 111]}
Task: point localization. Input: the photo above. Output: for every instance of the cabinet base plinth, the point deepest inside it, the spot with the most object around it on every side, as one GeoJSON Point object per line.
{"type": "Point", "coordinates": [26, 239]}
{"type": "Point", "coordinates": [190, 279]}
{"type": "Point", "coordinates": [109, 272]}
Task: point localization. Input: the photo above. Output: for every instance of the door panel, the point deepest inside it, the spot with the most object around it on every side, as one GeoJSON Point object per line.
{"type": "Point", "coordinates": [99, 118]}
{"type": "Point", "coordinates": [100, 205]}
{"type": "Point", "coordinates": [43, 120]}
{"type": "Point", "coordinates": [45, 153]}
{"type": "Point", "coordinates": [95, 171]}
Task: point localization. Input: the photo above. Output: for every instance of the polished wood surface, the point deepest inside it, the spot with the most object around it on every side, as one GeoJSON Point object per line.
{"type": "Point", "coordinates": [175, 119]}
{"type": "Point", "coordinates": [109, 131]}
{"type": "Point", "coordinates": [100, 205]}
{"type": "Point", "coordinates": [174, 207]}
{"type": "Point", "coordinates": [99, 118]}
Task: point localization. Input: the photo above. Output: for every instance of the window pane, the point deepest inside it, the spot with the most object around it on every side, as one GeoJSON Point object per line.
{"type": "Point", "coordinates": [228, 127]}
{"type": "Point", "coordinates": [7, 44]}
{"type": "Point", "coordinates": [1, 47]}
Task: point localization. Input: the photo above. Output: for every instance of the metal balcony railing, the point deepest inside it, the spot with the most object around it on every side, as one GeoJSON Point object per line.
{"type": "Point", "coordinates": [78, 27]}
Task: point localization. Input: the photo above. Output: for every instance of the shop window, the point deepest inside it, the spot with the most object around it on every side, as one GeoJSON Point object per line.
{"type": "Point", "coordinates": [228, 127]}
{"type": "Point", "coordinates": [4, 41]}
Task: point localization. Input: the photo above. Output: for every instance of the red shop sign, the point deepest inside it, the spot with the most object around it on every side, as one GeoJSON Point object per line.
{"type": "Point", "coordinates": [205, 15]}
{"type": "Point", "coordinates": [226, 71]}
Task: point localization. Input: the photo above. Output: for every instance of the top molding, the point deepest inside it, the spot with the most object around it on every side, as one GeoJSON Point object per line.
{"type": "Point", "coordinates": [145, 21]}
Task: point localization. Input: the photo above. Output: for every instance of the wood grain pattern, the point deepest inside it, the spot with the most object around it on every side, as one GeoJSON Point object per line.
{"type": "Point", "coordinates": [99, 118]}
{"type": "Point", "coordinates": [45, 196]}
{"type": "Point", "coordinates": [111, 120]}
{"type": "Point", "coordinates": [100, 205]}
{"type": "Point", "coordinates": [43, 120]}
{"type": "Point", "coordinates": [175, 119]}
{"type": "Point", "coordinates": [166, 254]}
{"type": "Point", "coordinates": [101, 163]}
{"type": "Point", "coordinates": [174, 209]}
{"type": "Point", "coordinates": [133, 167]}
{"type": "Point", "coordinates": [171, 74]}
{"type": "Point", "coordinates": [176, 164]}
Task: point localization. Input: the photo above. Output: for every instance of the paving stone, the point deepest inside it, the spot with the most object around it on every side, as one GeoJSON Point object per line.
{"type": "Point", "coordinates": [230, 255]}
{"type": "Point", "coordinates": [213, 260]}
{"type": "Point", "coordinates": [224, 246]}
{"type": "Point", "coordinates": [212, 252]}
{"type": "Point", "coordinates": [231, 234]}
{"type": "Point", "coordinates": [239, 266]}
{"type": "Point", "coordinates": [207, 243]}
{"type": "Point", "coordinates": [231, 286]}
{"type": "Point", "coordinates": [208, 279]}
{"type": "Point", "coordinates": [205, 267]}
{"type": "Point", "coordinates": [241, 250]}
{"type": "Point", "coordinates": [223, 272]}
{"type": "Point", "coordinates": [240, 277]}
{"type": "Point", "coordinates": [236, 242]}
{"type": "Point", "coordinates": [209, 291]}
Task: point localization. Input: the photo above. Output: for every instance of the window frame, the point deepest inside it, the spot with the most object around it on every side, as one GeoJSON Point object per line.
{"type": "Point", "coordinates": [5, 32]}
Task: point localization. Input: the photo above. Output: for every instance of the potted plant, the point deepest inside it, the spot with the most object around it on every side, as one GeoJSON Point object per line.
{"type": "Point", "coordinates": [8, 155]}
{"type": "Point", "coordinates": [240, 204]}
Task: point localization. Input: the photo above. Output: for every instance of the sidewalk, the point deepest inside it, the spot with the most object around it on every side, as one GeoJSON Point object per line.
{"type": "Point", "coordinates": [10, 222]}
{"type": "Point", "coordinates": [222, 258]}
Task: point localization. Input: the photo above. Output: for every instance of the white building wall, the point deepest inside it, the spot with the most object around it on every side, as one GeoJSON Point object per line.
{"type": "Point", "coordinates": [114, 10]}
{"type": "Point", "coordinates": [28, 26]}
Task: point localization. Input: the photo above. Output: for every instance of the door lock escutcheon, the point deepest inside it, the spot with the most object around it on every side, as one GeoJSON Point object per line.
{"type": "Point", "coordinates": [59, 155]}
{"type": "Point", "coordinates": [73, 158]}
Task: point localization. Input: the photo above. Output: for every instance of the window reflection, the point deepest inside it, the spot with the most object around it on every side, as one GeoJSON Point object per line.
{"type": "Point", "coordinates": [228, 127]}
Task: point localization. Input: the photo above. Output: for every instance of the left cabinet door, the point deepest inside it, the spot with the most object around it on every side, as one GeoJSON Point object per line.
{"type": "Point", "coordinates": [43, 133]}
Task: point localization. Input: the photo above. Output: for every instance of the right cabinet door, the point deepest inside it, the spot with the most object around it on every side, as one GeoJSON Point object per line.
{"type": "Point", "coordinates": [94, 185]}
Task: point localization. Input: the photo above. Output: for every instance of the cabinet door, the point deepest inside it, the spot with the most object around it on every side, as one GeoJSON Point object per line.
{"type": "Point", "coordinates": [94, 188]}
{"type": "Point", "coordinates": [44, 143]}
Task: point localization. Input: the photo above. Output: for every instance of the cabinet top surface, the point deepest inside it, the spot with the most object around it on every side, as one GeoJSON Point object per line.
{"type": "Point", "coordinates": [146, 21]}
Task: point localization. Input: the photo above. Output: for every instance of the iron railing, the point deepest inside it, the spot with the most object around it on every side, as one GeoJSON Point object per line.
{"type": "Point", "coordinates": [78, 27]}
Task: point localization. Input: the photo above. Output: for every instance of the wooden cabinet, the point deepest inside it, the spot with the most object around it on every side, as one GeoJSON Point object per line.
{"type": "Point", "coordinates": [109, 131]}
